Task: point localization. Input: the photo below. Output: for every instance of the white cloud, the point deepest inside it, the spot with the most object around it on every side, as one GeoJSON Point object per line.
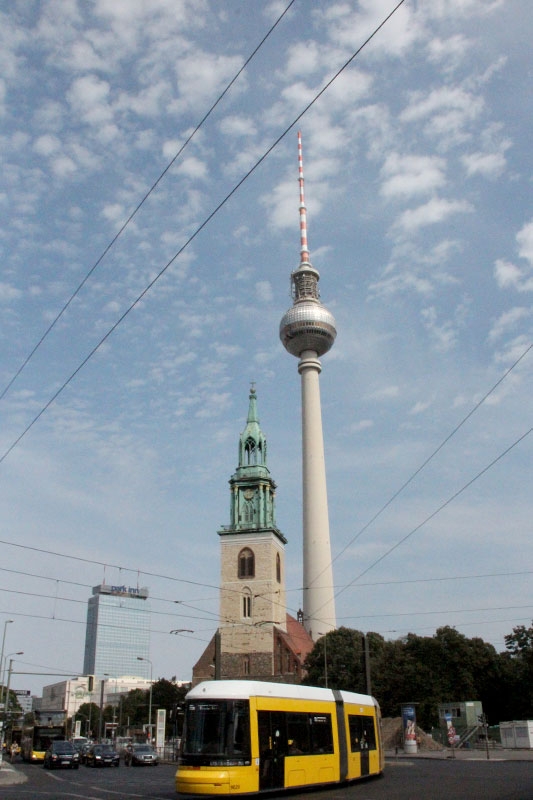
{"type": "Point", "coordinates": [241, 125]}
{"type": "Point", "coordinates": [264, 291]}
{"type": "Point", "coordinates": [63, 166]}
{"type": "Point", "coordinates": [192, 167]}
{"type": "Point", "coordinates": [113, 212]}
{"type": "Point", "coordinates": [361, 425]}
{"type": "Point", "coordinates": [420, 407]}
{"type": "Point", "coordinates": [411, 175]}
{"type": "Point", "coordinates": [524, 237]}
{"type": "Point", "coordinates": [490, 161]}
{"type": "Point", "coordinates": [488, 164]}
{"type": "Point", "coordinates": [444, 334]}
{"type": "Point", "coordinates": [350, 27]}
{"type": "Point", "coordinates": [8, 292]}
{"type": "Point", "coordinates": [200, 78]}
{"type": "Point", "coordinates": [448, 112]}
{"type": "Point", "coordinates": [47, 145]}
{"type": "Point", "coordinates": [89, 98]}
{"type": "Point", "coordinates": [449, 53]}
{"type": "Point", "coordinates": [507, 274]}
{"type": "Point", "coordinates": [385, 393]}
{"type": "Point", "coordinates": [507, 321]}
{"type": "Point", "coordinates": [433, 212]}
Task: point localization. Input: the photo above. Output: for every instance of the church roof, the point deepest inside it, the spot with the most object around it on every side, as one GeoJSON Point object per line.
{"type": "Point", "coordinates": [296, 639]}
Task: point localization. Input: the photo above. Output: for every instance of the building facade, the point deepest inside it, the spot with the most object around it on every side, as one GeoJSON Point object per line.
{"type": "Point", "coordinates": [68, 696]}
{"type": "Point", "coordinates": [117, 639]}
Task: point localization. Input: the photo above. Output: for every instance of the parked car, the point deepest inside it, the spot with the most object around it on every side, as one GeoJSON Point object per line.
{"type": "Point", "coordinates": [101, 755]}
{"type": "Point", "coordinates": [61, 754]}
{"type": "Point", "coordinates": [137, 755]}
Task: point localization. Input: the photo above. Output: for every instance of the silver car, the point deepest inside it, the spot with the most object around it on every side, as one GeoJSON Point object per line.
{"type": "Point", "coordinates": [137, 755]}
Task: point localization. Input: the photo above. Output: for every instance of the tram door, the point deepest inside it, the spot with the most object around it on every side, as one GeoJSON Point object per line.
{"type": "Point", "coordinates": [272, 749]}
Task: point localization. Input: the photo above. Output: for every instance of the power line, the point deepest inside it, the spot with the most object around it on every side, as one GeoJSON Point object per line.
{"type": "Point", "coordinates": [434, 453]}
{"type": "Point", "coordinates": [143, 200]}
{"type": "Point", "coordinates": [438, 510]}
{"type": "Point", "coordinates": [439, 611]}
{"type": "Point", "coordinates": [297, 589]}
{"type": "Point", "coordinates": [193, 236]}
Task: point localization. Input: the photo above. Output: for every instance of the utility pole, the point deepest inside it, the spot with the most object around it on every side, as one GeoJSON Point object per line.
{"type": "Point", "coordinates": [366, 658]}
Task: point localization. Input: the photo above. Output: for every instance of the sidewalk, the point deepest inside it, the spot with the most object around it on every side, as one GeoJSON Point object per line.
{"type": "Point", "coordinates": [9, 775]}
{"type": "Point", "coordinates": [469, 754]}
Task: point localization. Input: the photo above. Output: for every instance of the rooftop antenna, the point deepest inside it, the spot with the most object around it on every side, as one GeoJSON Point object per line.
{"type": "Point", "coordinates": [304, 249]}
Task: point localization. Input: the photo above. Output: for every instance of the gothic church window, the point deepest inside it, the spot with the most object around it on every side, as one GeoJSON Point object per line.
{"type": "Point", "coordinates": [246, 565]}
{"type": "Point", "coordinates": [248, 511]}
{"type": "Point", "coordinates": [246, 604]}
{"type": "Point", "coordinates": [278, 568]}
{"type": "Point", "coordinates": [251, 453]}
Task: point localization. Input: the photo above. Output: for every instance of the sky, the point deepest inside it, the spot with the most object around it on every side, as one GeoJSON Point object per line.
{"type": "Point", "coordinates": [126, 360]}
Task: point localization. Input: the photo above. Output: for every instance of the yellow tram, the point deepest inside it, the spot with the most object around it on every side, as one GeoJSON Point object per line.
{"type": "Point", "coordinates": [242, 737]}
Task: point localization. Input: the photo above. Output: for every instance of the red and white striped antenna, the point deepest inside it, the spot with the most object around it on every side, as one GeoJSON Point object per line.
{"type": "Point", "coordinates": [304, 249]}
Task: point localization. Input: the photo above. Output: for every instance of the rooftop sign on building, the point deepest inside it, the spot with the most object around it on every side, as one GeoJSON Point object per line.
{"type": "Point", "coordinates": [123, 591]}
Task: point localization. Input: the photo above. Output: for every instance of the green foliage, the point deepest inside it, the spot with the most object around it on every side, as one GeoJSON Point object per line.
{"type": "Point", "coordinates": [519, 643]}
{"type": "Point", "coordinates": [339, 656]}
{"type": "Point", "coordinates": [428, 670]}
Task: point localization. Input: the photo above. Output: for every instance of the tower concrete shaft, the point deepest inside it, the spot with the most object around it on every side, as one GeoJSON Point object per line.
{"type": "Point", "coordinates": [307, 331]}
{"type": "Point", "coordinates": [318, 598]}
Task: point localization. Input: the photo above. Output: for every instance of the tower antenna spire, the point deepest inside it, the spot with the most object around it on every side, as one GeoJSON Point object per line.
{"type": "Point", "coordinates": [304, 248]}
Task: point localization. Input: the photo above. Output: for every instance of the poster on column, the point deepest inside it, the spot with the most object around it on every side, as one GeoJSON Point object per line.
{"type": "Point", "coordinates": [160, 728]}
{"type": "Point", "coordinates": [409, 727]}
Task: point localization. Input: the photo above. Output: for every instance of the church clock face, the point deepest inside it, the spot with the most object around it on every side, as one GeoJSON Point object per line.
{"type": "Point", "coordinates": [248, 494]}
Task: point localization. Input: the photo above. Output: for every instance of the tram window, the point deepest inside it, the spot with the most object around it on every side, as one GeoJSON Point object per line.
{"type": "Point", "coordinates": [218, 729]}
{"type": "Point", "coordinates": [298, 733]}
{"type": "Point", "coordinates": [321, 734]}
{"type": "Point", "coordinates": [362, 733]}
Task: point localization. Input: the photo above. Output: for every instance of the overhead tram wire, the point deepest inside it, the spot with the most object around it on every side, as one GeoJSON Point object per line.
{"type": "Point", "coordinates": [410, 614]}
{"type": "Point", "coordinates": [198, 230]}
{"type": "Point", "coordinates": [214, 615]}
{"type": "Point", "coordinates": [142, 201]}
{"type": "Point", "coordinates": [437, 511]}
{"type": "Point", "coordinates": [430, 457]}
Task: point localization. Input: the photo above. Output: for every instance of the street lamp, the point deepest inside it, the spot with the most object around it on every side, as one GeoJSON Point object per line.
{"type": "Point", "coordinates": [140, 658]}
{"type": "Point", "coordinates": [20, 653]}
{"type": "Point", "coordinates": [6, 623]}
{"type": "Point", "coordinates": [181, 630]}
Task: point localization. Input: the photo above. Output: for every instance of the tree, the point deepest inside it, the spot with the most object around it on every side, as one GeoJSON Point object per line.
{"type": "Point", "coordinates": [519, 644]}
{"type": "Point", "coordinates": [428, 671]}
{"type": "Point", "coordinates": [168, 695]}
{"type": "Point", "coordinates": [89, 714]}
{"type": "Point", "coordinates": [338, 659]}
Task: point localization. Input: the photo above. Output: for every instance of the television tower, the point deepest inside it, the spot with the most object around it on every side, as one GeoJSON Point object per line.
{"type": "Point", "coordinates": [307, 331]}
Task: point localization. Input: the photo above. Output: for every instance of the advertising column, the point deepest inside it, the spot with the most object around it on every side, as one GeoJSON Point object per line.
{"type": "Point", "coordinates": [409, 729]}
{"type": "Point", "coordinates": [160, 729]}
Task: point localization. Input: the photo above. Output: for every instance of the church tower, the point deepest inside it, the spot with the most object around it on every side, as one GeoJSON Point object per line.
{"type": "Point", "coordinates": [256, 638]}
{"type": "Point", "coordinates": [252, 598]}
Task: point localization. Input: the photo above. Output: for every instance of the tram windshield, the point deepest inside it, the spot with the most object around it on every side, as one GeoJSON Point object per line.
{"type": "Point", "coordinates": [216, 732]}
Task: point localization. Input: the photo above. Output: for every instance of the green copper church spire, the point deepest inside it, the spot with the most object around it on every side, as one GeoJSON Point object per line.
{"type": "Point", "coordinates": [252, 443]}
{"type": "Point", "coordinates": [252, 507]}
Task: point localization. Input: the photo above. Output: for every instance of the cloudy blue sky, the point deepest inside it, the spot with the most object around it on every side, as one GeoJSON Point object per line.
{"type": "Point", "coordinates": [417, 162]}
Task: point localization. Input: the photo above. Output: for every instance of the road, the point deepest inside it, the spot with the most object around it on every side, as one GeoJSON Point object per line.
{"type": "Point", "coordinates": [417, 778]}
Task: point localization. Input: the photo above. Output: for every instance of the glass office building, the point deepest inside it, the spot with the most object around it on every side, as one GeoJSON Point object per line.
{"type": "Point", "coordinates": [118, 632]}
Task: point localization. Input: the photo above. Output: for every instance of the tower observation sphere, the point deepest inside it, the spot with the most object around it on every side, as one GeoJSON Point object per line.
{"type": "Point", "coordinates": [307, 331]}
